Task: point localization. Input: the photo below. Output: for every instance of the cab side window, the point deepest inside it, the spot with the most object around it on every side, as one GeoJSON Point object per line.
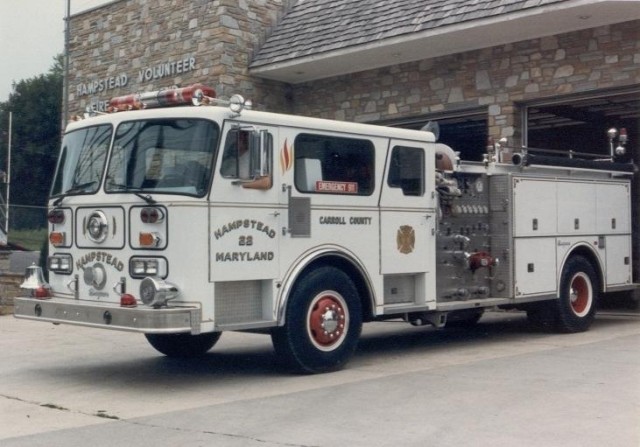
{"type": "Point", "coordinates": [334, 165]}
{"type": "Point", "coordinates": [236, 160]}
{"type": "Point", "coordinates": [407, 170]}
{"type": "Point", "coordinates": [247, 154]}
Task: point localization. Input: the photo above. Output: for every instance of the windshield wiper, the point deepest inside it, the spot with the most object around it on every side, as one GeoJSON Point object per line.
{"type": "Point", "coordinates": [74, 189]}
{"type": "Point", "coordinates": [147, 198]}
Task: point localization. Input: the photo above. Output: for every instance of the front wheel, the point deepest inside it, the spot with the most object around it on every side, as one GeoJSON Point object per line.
{"type": "Point", "coordinates": [183, 345]}
{"type": "Point", "coordinates": [322, 323]}
{"type": "Point", "coordinates": [579, 287]}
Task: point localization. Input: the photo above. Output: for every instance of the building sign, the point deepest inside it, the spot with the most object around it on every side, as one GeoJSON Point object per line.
{"type": "Point", "coordinates": [166, 69]}
{"type": "Point", "coordinates": [146, 74]}
{"type": "Point", "coordinates": [97, 105]}
{"type": "Point", "coordinates": [102, 85]}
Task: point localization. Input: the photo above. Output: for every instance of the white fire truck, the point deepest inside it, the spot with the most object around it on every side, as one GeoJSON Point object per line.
{"type": "Point", "coordinates": [184, 222]}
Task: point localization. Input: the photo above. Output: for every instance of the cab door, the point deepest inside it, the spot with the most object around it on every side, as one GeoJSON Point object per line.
{"type": "Point", "coordinates": [244, 214]}
{"type": "Point", "coordinates": [407, 221]}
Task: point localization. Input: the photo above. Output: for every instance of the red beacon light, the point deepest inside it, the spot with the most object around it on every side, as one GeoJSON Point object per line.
{"type": "Point", "coordinates": [196, 94]}
{"type": "Point", "coordinates": [128, 300]}
{"type": "Point", "coordinates": [127, 102]}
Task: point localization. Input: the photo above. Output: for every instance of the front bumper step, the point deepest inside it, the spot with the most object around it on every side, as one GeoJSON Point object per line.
{"type": "Point", "coordinates": [110, 316]}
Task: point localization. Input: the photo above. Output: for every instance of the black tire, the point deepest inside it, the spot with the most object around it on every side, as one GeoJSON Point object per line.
{"type": "Point", "coordinates": [323, 322]}
{"type": "Point", "coordinates": [543, 315]}
{"type": "Point", "coordinates": [183, 345]}
{"type": "Point", "coordinates": [579, 290]}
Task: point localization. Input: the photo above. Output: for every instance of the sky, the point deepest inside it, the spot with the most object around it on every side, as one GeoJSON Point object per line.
{"type": "Point", "coordinates": [31, 35]}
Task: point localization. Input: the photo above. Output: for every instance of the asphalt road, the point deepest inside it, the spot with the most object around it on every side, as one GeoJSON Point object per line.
{"type": "Point", "coordinates": [499, 384]}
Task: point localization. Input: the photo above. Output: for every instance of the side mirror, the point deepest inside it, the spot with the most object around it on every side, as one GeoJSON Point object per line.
{"type": "Point", "coordinates": [260, 153]}
{"type": "Point", "coordinates": [260, 161]}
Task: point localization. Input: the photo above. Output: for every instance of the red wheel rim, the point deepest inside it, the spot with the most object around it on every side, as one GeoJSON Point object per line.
{"type": "Point", "coordinates": [327, 321]}
{"type": "Point", "coordinates": [580, 294]}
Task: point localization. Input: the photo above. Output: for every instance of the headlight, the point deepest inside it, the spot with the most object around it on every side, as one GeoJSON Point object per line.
{"type": "Point", "coordinates": [140, 267]}
{"type": "Point", "coordinates": [97, 226]}
{"type": "Point", "coordinates": [156, 292]}
{"type": "Point", "coordinates": [60, 263]}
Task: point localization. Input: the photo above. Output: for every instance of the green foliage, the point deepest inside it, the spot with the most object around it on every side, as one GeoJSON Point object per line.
{"type": "Point", "coordinates": [30, 239]}
{"type": "Point", "coordinates": [36, 105]}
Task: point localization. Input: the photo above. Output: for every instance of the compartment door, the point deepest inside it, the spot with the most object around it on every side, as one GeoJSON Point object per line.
{"type": "Point", "coordinates": [535, 266]}
{"type": "Point", "coordinates": [618, 260]}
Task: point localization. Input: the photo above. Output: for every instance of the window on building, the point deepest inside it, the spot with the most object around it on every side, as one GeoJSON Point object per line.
{"type": "Point", "coordinates": [580, 123]}
{"type": "Point", "coordinates": [334, 165]}
{"type": "Point", "coordinates": [463, 131]}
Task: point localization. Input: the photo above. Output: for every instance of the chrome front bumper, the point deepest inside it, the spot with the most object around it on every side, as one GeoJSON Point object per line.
{"type": "Point", "coordinates": [110, 316]}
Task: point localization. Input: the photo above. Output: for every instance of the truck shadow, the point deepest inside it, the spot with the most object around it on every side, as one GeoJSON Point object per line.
{"type": "Point", "coordinates": [382, 343]}
{"type": "Point", "coordinates": [494, 328]}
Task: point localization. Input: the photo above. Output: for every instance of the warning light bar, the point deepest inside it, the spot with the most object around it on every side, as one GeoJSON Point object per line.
{"type": "Point", "coordinates": [195, 94]}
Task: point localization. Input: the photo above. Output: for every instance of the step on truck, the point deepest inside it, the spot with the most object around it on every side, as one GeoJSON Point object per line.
{"type": "Point", "coordinates": [180, 216]}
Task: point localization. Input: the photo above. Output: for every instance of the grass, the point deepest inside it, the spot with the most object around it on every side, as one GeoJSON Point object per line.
{"type": "Point", "coordinates": [29, 239]}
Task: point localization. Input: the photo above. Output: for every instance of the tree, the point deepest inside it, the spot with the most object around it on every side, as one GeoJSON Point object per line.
{"type": "Point", "coordinates": [36, 105]}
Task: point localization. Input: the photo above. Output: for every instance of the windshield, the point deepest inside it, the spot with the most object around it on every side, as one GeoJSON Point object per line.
{"type": "Point", "coordinates": [82, 160]}
{"type": "Point", "coordinates": [163, 156]}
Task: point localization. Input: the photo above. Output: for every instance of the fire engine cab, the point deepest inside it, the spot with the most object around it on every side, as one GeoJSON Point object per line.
{"type": "Point", "coordinates": [181, 223]}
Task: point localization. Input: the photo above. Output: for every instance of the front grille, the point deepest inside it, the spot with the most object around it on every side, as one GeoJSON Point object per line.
{"type": "Point", "coordinates": [238, 302]}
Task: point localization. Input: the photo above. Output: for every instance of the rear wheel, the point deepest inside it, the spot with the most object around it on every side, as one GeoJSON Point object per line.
{"type": "Point", "coordinates": [322, 323]}
{"type": "Point", "coordinates": [183, 345]}
{"type": "Point", "coordinates": [579, 287]}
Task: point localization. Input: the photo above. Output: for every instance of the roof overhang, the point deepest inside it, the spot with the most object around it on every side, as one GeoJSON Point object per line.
{"type": "Point", "coordinates": [527, 24]}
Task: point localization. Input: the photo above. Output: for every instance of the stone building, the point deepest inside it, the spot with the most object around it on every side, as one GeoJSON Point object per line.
{"type": "Point", "coordinates": [542, 73]}
{"type": "Point", "coordinates": [545, 73]}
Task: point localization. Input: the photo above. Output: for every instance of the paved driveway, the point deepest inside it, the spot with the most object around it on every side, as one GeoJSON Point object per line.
{"type": "Point", "coordinates": [500, 384]}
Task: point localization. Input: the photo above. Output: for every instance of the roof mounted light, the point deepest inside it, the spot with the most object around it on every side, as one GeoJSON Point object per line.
{"type": "Point", "coordinates": [127, 102]}
{"type": "Point", "coordinates": [195, 94]}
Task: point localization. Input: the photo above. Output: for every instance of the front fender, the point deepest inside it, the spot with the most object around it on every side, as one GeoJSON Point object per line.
{"type": "Point", "coordinates": [329, 254]}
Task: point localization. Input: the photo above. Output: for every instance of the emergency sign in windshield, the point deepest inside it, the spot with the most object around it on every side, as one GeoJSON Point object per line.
{"type": "Point", "coordinates": [173, 156]}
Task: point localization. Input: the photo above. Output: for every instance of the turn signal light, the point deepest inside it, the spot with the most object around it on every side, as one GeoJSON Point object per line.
{"type": "Point", "coordinates": [57, 238]}
{"type": "Point", "coordinates": [149, 239]}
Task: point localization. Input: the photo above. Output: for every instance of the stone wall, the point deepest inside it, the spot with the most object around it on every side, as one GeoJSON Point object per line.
{"type": "Point", "coordinates": [498, 79]}
{"type": "Point", "coordinates": [145, 45]}
{"type": "Point", "coordinates": [9, 284]}
{"type": "Point", "coordinates": [9, 289]}
{"type": "Point", "coordinates": [214, 40]}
